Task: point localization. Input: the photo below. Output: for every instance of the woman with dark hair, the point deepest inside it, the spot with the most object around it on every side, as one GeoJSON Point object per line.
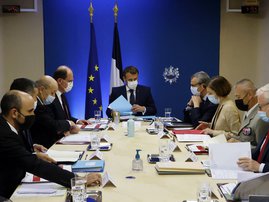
{"type": "Point", "coordinates": [226, 119]}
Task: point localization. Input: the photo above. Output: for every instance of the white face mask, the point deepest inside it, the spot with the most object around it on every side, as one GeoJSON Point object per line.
{"type": "Point", "coordinates": [194, 91]}
{"type": "Point", "coordinates": [49, 100]}
{"type": "Point", "coordinates": [35, 104]}
{"type": "Point", "coordinates": [69, 87]}
{"type": "Point", "coordinates": [132, 84]}
{"type": "Point", "coordinates": [213, 99]}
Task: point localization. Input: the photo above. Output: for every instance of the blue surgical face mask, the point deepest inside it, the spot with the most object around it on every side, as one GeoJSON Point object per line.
{"type": "Point", "coordinates": [49, 100]}
{"type": "Point", "coordinates": [194, 91]}
{"type": "Point", "coordinates": [263, 116]}
{"type": "Point", "coordinates": [213, 99]}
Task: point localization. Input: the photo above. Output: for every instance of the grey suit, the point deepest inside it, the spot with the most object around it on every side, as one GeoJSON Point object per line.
{"type": "Point", "coordinates": [252, 128]}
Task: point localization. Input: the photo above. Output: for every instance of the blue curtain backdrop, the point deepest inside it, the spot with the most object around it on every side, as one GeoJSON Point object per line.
{"type": "Point", "coordinates": [154, 34]}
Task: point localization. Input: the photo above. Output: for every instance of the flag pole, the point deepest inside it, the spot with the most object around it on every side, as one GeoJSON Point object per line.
{"type": "Point", "coordinates": [116, 10]}
{"type": "Point", "coordinates": [91, 10]}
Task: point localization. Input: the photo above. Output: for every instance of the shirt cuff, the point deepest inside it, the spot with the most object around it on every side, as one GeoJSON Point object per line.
{"type": "Point", "coordinates": [145, 110]}
{"type": "Point", "coordinates": [261, 167]}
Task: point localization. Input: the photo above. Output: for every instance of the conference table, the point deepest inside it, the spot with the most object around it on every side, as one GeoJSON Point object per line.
{"type": "Point", "coordinates": [146, 185]}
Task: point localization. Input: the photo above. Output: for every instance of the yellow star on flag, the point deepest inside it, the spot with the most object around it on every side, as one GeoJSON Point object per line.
{"type": "Point", "coordinates": [96, 68]}
{"type": "Point", "coordinates": [101, 108]}
{"type": "Point", "coordinates": [91, 78]}
{"type": "Point", "coordinates": [94, 101]}
{"type": "Point", "coordinates": [91, 90]}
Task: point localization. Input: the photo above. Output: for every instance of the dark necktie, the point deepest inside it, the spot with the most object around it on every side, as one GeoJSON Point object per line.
{"type": "Point", "coordinates": [265, 142]}
{"type": "Point", "coordinates": [132, 98]}
{"type": "Point", "coordinates": [65, 107]}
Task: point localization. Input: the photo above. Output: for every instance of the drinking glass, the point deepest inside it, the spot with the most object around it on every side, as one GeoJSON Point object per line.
{"type": "Point", "coordinates": [158, 125]}
{"type": "Point", "coordinates": [97, 116]}
{"type": "Point", "coordinates": [95, 141]}
{"type": "Point", "coordinates": [164, 151]}
{"type": "Point", "coordinates": [204, 192]}
{"type": "Point", "coordinates": [78, 189]}
{"type": "Point", "coordinates": [167, 112]}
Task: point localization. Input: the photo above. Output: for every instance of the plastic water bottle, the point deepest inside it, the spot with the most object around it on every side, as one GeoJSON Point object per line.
{"type": "Point", "coordinates": [130, 127]}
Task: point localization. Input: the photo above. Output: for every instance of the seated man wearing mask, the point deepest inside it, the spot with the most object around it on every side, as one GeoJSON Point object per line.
{"type": "Point", "coordinates": [199, 108]}
{"type": "Point", "coordinates": [18, 112]}
{"type": "Point", "coordinates": [139, 96]}
{"type": "Point", "coordinates": [47, 130]}
{"type": "Point", "coordinates": [260, 156]}
{"type": "Point", "coordinates": [252, 128]}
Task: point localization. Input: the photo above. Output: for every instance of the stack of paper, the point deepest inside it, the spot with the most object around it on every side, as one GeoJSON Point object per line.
{"type": "Point", "coordinates": [76, 139]}
{"type": "Point", "coordinates": [172, 168]}
{"type": "Point", "coordinates": [89, 166]}
{"type": "Point", "coordinates": [93, 126]}
{"type": "Point", "coordinates": [223, 159]}
{"type": "Point", "coordinates": [64, 156]}
{"type": "Point", "coordinates": [190, 135]}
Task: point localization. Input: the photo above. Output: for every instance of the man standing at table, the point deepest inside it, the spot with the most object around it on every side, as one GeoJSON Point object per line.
{"type": "Point", "coordinates": [253, 127]}
{"type": "Point", "coordinates": [139, 96]}
{"type": "Point", "coordinates": [199, 108]}
{"type": "Point", "coordinates": [18, 113]}
{"type": "Point", "coordinates": [260, 156]}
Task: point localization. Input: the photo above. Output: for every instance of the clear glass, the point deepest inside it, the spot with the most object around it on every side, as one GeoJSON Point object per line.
{"type": "Point", "coordinates": [167, 112]}
{"type": "Point", "coordinates": [164, 151]}
{"type": "Point", "coordinates": [95, 141]}
{"type": "Point", "coordinates": [204, 192]}
{"type": "Point", "coordinates": [78, 189]}
{"type": "Point", "coordinates": [116, 117]}
{"type": "Point", "coordinates": [158, 124]}
{"type": "Point", "coordinates": [97, 116]}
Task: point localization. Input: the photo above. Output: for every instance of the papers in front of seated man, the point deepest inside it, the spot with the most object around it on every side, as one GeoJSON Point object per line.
{"type": "Point", "coordinates": [180, 168]}
{"type": "Point", "coordinates": [121, 105]}
{"type": "Point", "coordinates": [75, 139]}
{"type": "Point", "coordinates": [40, 189]}
{"type": "Point", "coordinates": [223, 159]}
{"type": "Point", "coordinates": [214, 140]}
{"type": "Point", "coordinates": [64, 156]}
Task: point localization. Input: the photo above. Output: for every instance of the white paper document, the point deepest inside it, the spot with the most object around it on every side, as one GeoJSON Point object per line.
{"type": "Point", "coordinates": [121, 105]}
{"type": "Point", "coordinates": [192, 138]}
{"type": "Point", "coordinates": [76, 139]}
{"type": "Point", "coordinates": [64, 156]}
{"type": "Point", "coordinates": [223, 159]}
{"type": "Point", "coordinates": [214, 140]}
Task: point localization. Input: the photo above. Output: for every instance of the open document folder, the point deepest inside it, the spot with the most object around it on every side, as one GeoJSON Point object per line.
{"type": "Point", "coordinates": [223, 159]}
{"type": "Point", "coordinates": [121, 105]}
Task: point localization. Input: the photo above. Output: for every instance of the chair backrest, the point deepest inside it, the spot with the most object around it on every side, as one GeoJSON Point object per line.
{"type": "Point", "coordinates": [259, 198]}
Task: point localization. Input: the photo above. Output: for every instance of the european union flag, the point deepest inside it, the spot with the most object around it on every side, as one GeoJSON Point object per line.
{"type": "Point", "coordinates": [93, 93]}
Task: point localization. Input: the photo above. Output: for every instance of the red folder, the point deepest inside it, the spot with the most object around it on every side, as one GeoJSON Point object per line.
{"type": "Point", "coordinates": [183, 132]}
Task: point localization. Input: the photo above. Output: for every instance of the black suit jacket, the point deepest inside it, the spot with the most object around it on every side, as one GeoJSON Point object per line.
{"type": "Point", "coordinates": [205, 113]}
{"type": "Point", "coordinates": [265, 157]}
{"type": "Point", "coordinates": [58, 111]}
{"type": "Point", "coordinates": [143, 98]}
{"type": "Point", "coordinates": [16, 161]}
{"type": "Point", "coordinates": [46, 129]}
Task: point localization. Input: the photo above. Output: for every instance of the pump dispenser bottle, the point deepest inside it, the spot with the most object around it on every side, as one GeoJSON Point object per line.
{"type": "Point", "coordinates": [137, 164]}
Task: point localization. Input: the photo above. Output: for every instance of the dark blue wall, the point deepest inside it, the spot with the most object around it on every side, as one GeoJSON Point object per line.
{"type": "Point", "coordinates": [154, 34]}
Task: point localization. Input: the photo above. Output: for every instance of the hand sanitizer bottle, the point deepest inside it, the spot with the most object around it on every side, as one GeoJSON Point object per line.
{"type": "Point", "coordinates": [137, 164]}
{"type": "Point", "coordinates": [130, 127]}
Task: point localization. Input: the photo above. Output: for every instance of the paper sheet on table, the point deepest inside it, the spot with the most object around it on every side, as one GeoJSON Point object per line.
{"type": "Point", "coordinates": [40, 189]}
{"type": "Point", "coordinates": [218, 139]}
{"type": "Point", "coordinates": [121, 105]}
{"type": "Point", "coordinates": [64, 156]}
{"type": "Point", "coordinates": [192, 138]}
{"type": "Point", "coordinates": [224, 156]}
{"type": "Point", "coordinates": [76, 139]}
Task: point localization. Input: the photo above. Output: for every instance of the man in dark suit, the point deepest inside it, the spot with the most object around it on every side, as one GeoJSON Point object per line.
{"type": "Point", "coordinates": [60, 108]}
{"type": "Point", "coordinates": [46, 130]}
{"type": "Point", "coordinates": [260, 155]}
{"type": "Point", "coordinates": [139, 96]}
{"type": "Point", "coordinates": [18, 113]}
{"type": "Point", "coordinates": [199, 108]}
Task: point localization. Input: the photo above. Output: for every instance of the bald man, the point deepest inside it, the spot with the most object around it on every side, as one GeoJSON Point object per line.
{"type": "Point", "coordinates": [252, 127]}
{"type": "Point", "coordinates": [47, 129]}
{"type": "Point", "coordinates": [18, 113]}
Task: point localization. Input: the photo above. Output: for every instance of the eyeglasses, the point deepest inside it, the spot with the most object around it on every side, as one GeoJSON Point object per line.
{"type": "Point", "coordinates": [261, 106]}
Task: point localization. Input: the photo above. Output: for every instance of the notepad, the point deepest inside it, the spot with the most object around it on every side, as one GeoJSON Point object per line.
{"type": "Point", "coordinates": [64, 156]}
{"type": "Point", "coordinates": [76, 139]}
{"type": "Point", "coordinates": [88, 166]}
{"type": "Point", "coordinates": [172, 168]}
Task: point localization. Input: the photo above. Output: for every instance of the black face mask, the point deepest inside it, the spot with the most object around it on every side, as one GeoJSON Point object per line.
{"type": "Point", "coordinates": [28, 122]}
{"type": "Point", "coordinates": [240, 105]}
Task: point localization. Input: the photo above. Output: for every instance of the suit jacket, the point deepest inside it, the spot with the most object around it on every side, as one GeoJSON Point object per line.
{"type": "Point", "coordinates": [226, 118]}
{"type": "Point", "coordinates": [27, 140]}
{"type": "Point", "coordinates": [205, 113]}
{"type": "Point", "coordinates": [46, 129]}
{"type": "Point", "coordinates": [58, 111]}
{"type": "Point", "coordinates": [16, 161]}
{"type": "Point", "coordinates": [143, 98]}
{"type": "Point", "coordinates": [265, 157]}
{"type": "Point", "coordinates": [253, 128]}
